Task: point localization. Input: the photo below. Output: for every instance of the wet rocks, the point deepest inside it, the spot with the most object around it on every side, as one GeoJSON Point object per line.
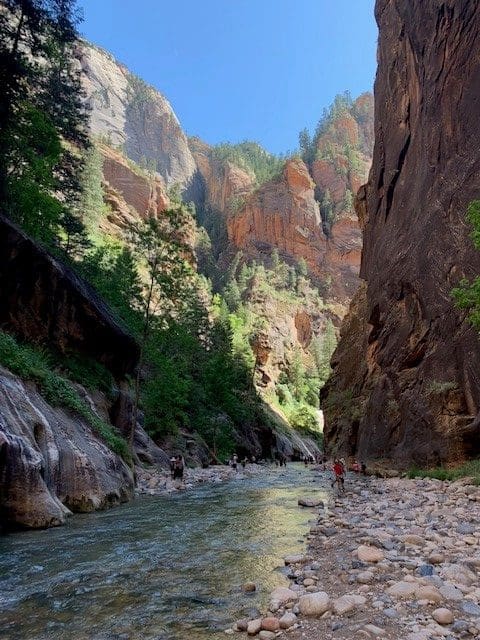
{"type": "Point", "coordinates": [310, 502]}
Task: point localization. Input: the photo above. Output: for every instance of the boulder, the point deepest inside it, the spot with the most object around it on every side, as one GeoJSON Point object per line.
{"type": "Point", "coordinates": [314, 604]}
{"type": "Point", "coordinates": [370, 554]}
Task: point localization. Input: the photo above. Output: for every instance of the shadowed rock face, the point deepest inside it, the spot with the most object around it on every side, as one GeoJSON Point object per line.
{"type": "Point", "coordinates": [41, 300]}
{"type": "Point", "coordinates": [406, 382]}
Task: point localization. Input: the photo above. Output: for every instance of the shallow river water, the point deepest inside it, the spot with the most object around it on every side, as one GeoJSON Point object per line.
{"type": "Point", "coordinates": [160, 568]}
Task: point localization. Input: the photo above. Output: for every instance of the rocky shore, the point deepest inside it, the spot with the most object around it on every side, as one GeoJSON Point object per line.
{"type": "Point", "coordinates": [393, 559]}
{"type": "Point", "coordinates": [153, 482]}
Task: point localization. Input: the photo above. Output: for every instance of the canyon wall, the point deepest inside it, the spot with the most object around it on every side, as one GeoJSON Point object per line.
{"type": "Point", "coordinates": [127, 113]}
{"type": "Point", "coordinates": [406, 382]}
{"type": "Point", "coordinates": [283, 213]}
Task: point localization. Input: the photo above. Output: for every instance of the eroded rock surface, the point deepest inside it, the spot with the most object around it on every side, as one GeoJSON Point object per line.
{"type": "Point", "coordinates": [51, 463]}
{"type": "Point", "coordinates": [406, 383]}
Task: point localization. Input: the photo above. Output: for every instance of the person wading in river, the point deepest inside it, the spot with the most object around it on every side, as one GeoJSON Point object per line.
{"type": "Point", "coordinates": [178, 469]}
{"type": "Point", "coordinates": [339, 473]}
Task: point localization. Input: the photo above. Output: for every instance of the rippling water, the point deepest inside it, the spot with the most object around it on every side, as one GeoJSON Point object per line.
{"type": "Point", "coordinates": [159, 568]}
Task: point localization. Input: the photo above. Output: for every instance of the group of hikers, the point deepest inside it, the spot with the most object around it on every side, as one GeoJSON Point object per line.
{"type": "Point", "coordinates": [233, 462]}
{"type": "Point", "coordinates": [338, 468]}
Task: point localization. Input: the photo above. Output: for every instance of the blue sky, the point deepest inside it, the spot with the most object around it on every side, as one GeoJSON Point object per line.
{"type": "Point", "coordinates": [242, 69]}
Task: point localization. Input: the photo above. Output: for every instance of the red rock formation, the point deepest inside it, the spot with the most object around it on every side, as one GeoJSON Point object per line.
{"type": "Point", "coordinates": [143, 193]}
{"type": "Point", "coordinates": [406, 383]}
{"type": "Point", "coordinates": [284, 214]}
{"type": "Point", "coordinates": [225, 183]}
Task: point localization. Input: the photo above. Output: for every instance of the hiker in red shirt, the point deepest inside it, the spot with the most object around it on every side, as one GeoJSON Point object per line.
{"type": "Point", "coordinates": [339, 471]}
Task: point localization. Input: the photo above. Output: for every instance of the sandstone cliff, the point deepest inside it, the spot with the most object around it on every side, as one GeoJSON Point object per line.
{"type": "Point", "coordinates": [44, 301]}
{"type": "Point", "coordinates": [132, 194]}
{"type": "Point", "coordinates": [284, 214]}
{"type": "Point", "coordinates": [406, 384]}
{"type": "Point", "coordinates": [126, 112]}
{"type": "Point", "coordinates": [225, 183]}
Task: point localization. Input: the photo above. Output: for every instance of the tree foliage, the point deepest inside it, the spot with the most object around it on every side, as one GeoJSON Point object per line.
{"type": "Point", "coordinates": [467, 293]}
{"type": "Point", "coordinates": [42, 120]}
{"type": "Point", "coordinates": [252, 157]}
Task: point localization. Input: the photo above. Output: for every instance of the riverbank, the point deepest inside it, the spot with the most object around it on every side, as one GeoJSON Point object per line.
{"type": "Point", "coordinates": [394, 559]}
{"type": "Point", "coordinates": [154, 482]}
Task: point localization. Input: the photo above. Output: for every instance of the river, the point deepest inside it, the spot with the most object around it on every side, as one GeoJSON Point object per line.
{"type": "Point", "coordinates": [163, 568]}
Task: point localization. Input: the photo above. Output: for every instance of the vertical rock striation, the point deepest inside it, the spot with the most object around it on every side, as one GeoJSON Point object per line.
{"type": "Point", "coordinates": [406, 381]}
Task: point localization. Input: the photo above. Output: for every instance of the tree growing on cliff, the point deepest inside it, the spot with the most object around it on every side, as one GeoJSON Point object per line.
{"type": "Point", "coordinates": [467, 294]}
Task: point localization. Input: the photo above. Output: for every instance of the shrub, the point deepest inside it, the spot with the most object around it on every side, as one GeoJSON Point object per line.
{"type": "Point", "coordinates": [437, 388]}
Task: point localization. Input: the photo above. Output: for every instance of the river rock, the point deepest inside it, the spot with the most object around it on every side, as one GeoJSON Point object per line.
{"type": "Point", "coordinates": [443, 616]}
{"type": "Point", "coordinates": [249, 587]}
{"type": "Point", "coordinates": [370, 554]}
{"type": "Point", "coordinates": [428, 592]}
{"type": "Point", "coordinates": [296, 558]}
{"type": "Point", "coordinates": [254, 627]}
{"type": "Point", "coordinates": [282, 595]}
{"type": "Point", "coordinates": [450, 592]}
{"type": "Point", "coordinates": [347, 603]}
{"type": "Point", "coordinates": [267, 635]}
{"type": "Point", "coordinates": [459, 574]}
{"type": "Point", "coordinates": [402, 590]}
{"type": "Point", "coordinates": [365, 577]}
{"type": "Point", "coordinates": [242, 625]}
{"type": "Point", "coordinates": [314, 604]}
{"type": "Point", "coordinates": [287, 620]}
{"type": "Point", "coordinates": [413, 540]}
{"type": "Point", "coordinates": [374, 630]}
{"type": "Point", "coordinates": [436, 558]}
{"type": "Point", "coordinates": [470, 608]}
{"type": "Point", "coordinates": [270, 624]}
{"type": "Point", "coordinates": [310, 502]}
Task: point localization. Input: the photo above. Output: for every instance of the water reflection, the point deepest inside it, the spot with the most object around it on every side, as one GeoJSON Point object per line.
{"type": "Point", "coordinates": [156, 568]}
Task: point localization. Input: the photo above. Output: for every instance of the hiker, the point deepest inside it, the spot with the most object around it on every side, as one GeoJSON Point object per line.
{"type": "Point", "coordinates": [363, 468]}
{"type": "Point", "coordinates": [178, 468]}
{"type": "Point", "coordinates": [339, 472]}
{"type": "Point", "coordinates": [244, 462]}
{"type": "Point", "coordinates": [172, 467]}
{"type": "Point", "coordinates": [356, 466]}
{"type": "Point", "coordinates": [234, 462]}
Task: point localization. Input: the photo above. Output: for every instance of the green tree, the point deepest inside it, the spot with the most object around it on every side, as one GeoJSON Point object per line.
{"type": "Point", "coordinates": [275, 256]}
{"type": "Point", "coordinates": [348, 200]}
{"type": "Point", "coordinates": [160, 248]}
{"type": "Point", "coordinates": [467, 294]}
{"type": "Point", "coordinates": [91, 205]}
{"type": "Point", "coordinates": [327, 211]}
{"type": "Point", "coordinates": [302, 268]}
{"type": "Point", "coordinates": [42, 120]}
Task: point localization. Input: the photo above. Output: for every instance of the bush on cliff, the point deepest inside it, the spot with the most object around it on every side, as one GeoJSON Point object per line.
{"type": "Point", "coordinates": [31, 363]}
{"type": "Point", "coordinates": [467, 294]}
